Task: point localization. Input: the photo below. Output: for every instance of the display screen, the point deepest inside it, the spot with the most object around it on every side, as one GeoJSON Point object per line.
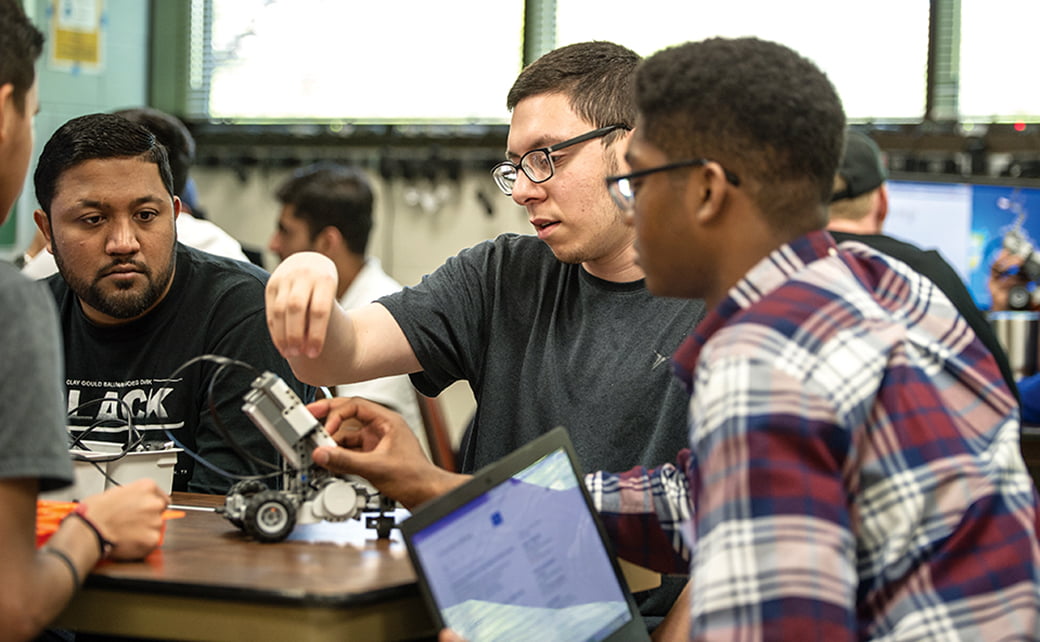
{"type": "Point", "coordinates": [523, 560]}
{"type": "Point", "coordinates": [965, 222]}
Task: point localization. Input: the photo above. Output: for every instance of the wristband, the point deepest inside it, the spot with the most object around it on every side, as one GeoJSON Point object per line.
{"type": "Point", "coordinates": [68, 562]}
{"type": "Point", "coordinates": [104, 546]}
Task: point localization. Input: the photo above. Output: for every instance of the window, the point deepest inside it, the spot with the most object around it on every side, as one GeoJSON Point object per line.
{"type": "Point", "coordinates": [328, 60]}
{"type": "Point", "coordinates": [453, 61]}
{"type": "Point", "coordinates": [997, 82]}
{"type": "Point", "coordinates": [877, 58]}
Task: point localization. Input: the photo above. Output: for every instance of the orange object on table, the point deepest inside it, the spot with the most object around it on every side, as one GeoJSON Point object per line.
{"type": "Point", "coordinates": [49, 514]}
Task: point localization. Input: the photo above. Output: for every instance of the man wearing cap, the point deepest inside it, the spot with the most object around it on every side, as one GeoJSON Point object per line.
{"type": "Point", "coordinates": [857, 213]}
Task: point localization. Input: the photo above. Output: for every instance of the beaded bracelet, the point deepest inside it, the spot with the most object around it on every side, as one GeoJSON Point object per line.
{"type": "Point", "coordinates": [63, 556]}
{"type": "Point", "coordinates": [104, 546]}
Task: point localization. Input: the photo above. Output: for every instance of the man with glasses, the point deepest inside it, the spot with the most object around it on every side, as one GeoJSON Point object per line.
{"type": "Point", "coordinates": [537, 164]}
{"type": "Point", "coordinates": [854, 470]}
{"type": "Point", "coordinates": [552, 329]}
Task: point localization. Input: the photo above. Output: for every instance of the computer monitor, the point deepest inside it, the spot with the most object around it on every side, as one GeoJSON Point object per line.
{"type": "Point", "coordinates": [965, 222]}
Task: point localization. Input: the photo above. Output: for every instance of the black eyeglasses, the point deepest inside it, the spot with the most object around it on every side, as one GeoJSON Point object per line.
{"type": "Point", "coordinates": [537, 164]}
{"type": "Point", "coordinates": [620, 187]}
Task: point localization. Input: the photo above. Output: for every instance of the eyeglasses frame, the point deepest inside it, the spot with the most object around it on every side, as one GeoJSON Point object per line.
{"type": "Point", "coordinates": [613, 181]}
{"type": "Point", "coordinates": [519, 167]}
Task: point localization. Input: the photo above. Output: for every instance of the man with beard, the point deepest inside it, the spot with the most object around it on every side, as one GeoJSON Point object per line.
{"type": "Point", "coordinates": [136, 306]}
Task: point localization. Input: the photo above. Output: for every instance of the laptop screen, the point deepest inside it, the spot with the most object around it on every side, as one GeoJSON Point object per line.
{"type": "Point", "coordinates": [518, 553]}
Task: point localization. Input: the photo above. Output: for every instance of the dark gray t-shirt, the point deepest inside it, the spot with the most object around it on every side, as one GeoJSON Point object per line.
{"type": "Point", "coordinates": [33, 441]}
{"type": "Point", "coordinates": [546, 344]}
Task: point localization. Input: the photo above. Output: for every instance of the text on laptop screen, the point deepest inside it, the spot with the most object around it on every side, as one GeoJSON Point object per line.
{"type": "Point", "coordinates": [524, 558]}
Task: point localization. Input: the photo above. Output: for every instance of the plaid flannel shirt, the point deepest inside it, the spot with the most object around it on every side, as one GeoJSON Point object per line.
{"type": "Point", "coordinates": [855, 470]}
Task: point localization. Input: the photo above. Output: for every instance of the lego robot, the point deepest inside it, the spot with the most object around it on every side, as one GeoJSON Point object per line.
{"type": "Point", "coordinates": [311, 493]}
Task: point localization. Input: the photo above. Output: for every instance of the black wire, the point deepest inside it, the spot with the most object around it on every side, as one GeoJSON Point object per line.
{"type": "Point", "coordinates": [222, 429]}
{"type": "Point", "coordinates": [220, 471]}
{"type": "Point", "coordinates": [102, 469]}
{"type": "Point", "coordinates": [133, 438]}
{"type": "Point", "coordinates": [131, 442]}
{"type": "Point", "coordinates": [224, 363]}
{"type": "Point", "coordinates": [129, 446]}
{"type": "Point", "coordinates": [216, 358]}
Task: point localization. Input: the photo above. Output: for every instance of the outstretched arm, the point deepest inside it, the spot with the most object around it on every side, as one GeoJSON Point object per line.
{"type": "Point", "coordinates": [324, 344]}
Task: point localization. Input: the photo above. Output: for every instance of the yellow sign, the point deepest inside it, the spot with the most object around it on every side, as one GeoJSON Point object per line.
{"type": "Point", "coordinates": [76, 35]}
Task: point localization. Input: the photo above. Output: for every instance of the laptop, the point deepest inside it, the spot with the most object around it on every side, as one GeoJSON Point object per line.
{"type": "Point", "coordinates": [519, 553]}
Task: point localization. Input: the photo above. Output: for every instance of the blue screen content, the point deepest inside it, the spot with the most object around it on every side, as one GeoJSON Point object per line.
{"type": "Point", "coordinates": [524, 561]}
{"type": "Point", "coordinates": [995, 209]}
{"type": "Point", "coordinates": [966, 223]}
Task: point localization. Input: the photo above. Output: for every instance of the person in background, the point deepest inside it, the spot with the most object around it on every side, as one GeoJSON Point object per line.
{"type": "Point", "coordinates": [327, 208]}
{"type": "Point", "coordinates": [136, 306]}
{"type": "Point", "coordinates": [191, 231]}
{"type": "Point", "coordinates": [550, 329]}
{"type": "Point", "coordinates": [124, 523]}
{"type": "Point", "coordinates": [854, 468]}
{"type": "Point", "coordinates": [857, 212]}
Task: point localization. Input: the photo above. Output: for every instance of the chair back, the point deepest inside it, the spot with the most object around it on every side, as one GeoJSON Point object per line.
{"type": "Point", "coordinates": [442, 452]}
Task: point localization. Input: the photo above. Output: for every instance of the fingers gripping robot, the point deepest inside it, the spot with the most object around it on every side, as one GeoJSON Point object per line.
{"type": "Point", "coordinates": [310, 493]}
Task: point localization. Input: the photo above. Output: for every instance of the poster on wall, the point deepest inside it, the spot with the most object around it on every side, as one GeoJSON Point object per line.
{"type": "Point", "coordinates": [76, 35]}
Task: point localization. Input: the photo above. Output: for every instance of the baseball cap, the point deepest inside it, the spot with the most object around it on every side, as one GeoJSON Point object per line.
{"type": "Point", "coordinates": [860, 167]}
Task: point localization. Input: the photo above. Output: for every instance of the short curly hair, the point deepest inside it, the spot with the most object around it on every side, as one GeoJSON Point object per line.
{"type": "Point", "coordinates": [758, 108]}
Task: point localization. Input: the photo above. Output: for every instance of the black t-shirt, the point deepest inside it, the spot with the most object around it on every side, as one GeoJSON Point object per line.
{"type": "Point", "coordinates": [215, 306]}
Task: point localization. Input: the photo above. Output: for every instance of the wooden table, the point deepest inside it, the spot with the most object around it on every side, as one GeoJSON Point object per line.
{"type": "Point", "coordinates": [209, 581]}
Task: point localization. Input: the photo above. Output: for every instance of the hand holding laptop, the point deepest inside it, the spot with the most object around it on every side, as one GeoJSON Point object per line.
{"type": "Point", "coordinates": [376, 444]}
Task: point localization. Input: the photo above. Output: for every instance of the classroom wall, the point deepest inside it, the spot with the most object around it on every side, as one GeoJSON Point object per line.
{"type": "Point", "coordinates": [418, 224]}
